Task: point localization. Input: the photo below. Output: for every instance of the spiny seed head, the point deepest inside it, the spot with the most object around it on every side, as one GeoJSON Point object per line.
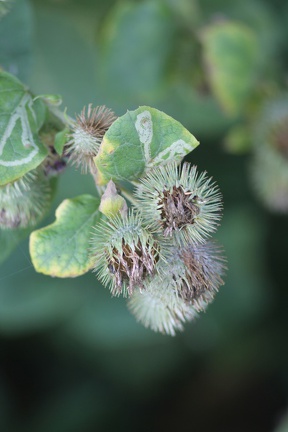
{"type": "Point", "coordinates": [24, 202]}
{"type": "Point", "coordinates": [159, 307]}
{"type": "Point", "coordinates": [181, 204]}
{"type": "Point", "coordinates": [87, 134]}
{"type": "Point", "coordinates": [196, 272]}
{"type": "Point", "coordinates": [125, 253]}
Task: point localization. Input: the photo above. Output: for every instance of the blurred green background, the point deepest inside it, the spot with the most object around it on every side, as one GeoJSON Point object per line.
{"type": "Point", "coordinates": [71, 358]}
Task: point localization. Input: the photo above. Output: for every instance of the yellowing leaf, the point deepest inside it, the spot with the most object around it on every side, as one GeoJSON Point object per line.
{"type": "Point", "coordinates": [140, 140]}
{"type": "Point", "coordinates": [62, 248]}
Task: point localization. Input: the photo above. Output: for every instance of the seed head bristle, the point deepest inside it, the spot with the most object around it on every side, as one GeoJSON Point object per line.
{"type": "Point", "coordinates": [87, 134]}
{"type": "Point", "coordinates": [24, 202]}
{"type": "Point", "coordinates": [203, 267]}
{"type": "Point", "coordinates": [182, 205]}
{"type": "Point", "coordinates": [125, 253]}
{"type": "Point", "coordinates": [159, 307]}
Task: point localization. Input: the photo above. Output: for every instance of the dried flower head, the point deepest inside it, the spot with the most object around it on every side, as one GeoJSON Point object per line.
{"type": "Point", "coordinates": [159, 307]}
{"type": "Point", "coordinates": [196, 271]}
{"type": "Point", "coordinates": [124, 253]}
{"type": "Point", "coordinates": [24, 202]}
{"type": "Point", "coordinates": [87, 134]}
{"type": "Point", "coordinates": [182, 204]}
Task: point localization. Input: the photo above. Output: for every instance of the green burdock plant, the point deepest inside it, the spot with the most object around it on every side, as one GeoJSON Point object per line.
{"type": "Point", "coordinates": [145, 232]}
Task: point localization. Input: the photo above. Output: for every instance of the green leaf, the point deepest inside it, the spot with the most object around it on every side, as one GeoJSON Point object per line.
{"type": "Point", "coordinates": [20, 120]}
{"type": "Point", "coordinates": [60, 141]}
{"type": "Point", "coordinates": [187, 10]}
{"type": "Point", "coordinates": [61, 249]}
{"type": "Point", "coordinates": [139, 141]}
{"type": "Point", "coordinates": [137, 42]}
{"type": "Point", "coordinates": [230, 54]}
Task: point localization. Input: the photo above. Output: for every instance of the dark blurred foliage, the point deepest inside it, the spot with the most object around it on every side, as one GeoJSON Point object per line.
{"type": "Point", "coordinates": [71, 358]}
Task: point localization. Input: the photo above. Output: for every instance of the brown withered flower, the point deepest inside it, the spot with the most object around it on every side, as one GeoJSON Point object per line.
{"type": "Point", "coordinates": [204, 268]}
{"type": "Point", "coordinates": [125, 253]}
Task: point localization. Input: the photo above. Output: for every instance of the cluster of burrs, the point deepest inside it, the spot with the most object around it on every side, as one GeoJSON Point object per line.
{"type": "Point", "coordinates": [156, 253]}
